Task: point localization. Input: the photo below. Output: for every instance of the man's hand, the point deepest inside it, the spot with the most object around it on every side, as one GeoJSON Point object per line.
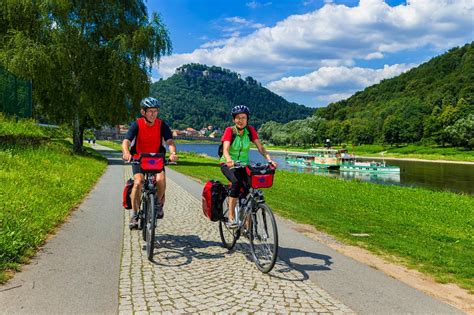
{"type": "Point", "coordinates": [230, 163]}
{"type": "Point", "coordinates": [127, 157]}
{"type": "Point", "coordinates": [173, 157]}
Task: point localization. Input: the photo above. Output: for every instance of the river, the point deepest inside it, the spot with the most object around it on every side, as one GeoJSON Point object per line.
{"type": "Point", "coordinates": [454, 177]}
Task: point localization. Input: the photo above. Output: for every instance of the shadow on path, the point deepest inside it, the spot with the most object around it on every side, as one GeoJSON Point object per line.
{"type": "Point", "coordinates": [179, 250]}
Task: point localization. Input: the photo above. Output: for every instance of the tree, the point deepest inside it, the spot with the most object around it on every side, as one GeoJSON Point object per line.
{"type": "Point", "coordinates": [89, 60]}
{"type": "Point", "coordinates": [462, 132]}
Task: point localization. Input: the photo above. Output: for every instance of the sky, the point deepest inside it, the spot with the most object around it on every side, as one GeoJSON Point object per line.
{"type": "Point", "coordinates": [312, 52]}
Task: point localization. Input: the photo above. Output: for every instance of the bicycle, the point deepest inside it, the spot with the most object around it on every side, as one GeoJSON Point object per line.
{"type": "Point", "coordinates": [151, 164]}
{"type": "Point", "coordinates": [255, 220]}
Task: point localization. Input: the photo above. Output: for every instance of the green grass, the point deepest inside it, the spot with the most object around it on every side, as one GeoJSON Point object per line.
{"type": "Point", "coordinates": [25, 127]}
{"type": "Point", "coordinates": [40, 186]}
{"type": "Point", "coordinates": [408, 151]}
{"type": "Point", "coordinates": [426, 230]}
{"type": "Point", "coordinates": [111, 144]}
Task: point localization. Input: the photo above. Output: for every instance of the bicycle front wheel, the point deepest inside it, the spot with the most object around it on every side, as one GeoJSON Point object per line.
{"type": "Point", "coordinates": [228, 236]}
{"type": "Point", "coordinates": [264, 238]}
{"type": "Point", "coordinates": [150, 227]}
{"type": "Point", "coordinates": [143, 217]}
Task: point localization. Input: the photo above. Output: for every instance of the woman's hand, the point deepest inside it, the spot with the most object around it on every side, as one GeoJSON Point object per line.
{"type": "Point", "coordinates": [230, 163]}
{"type": "Point", "coordinates": [275, 164]}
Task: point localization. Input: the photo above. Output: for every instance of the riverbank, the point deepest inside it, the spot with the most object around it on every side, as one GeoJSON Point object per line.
{"type": "Point", "coordinates": [408, 153]}
{"type": "Point", "coordinates": [378, 158]}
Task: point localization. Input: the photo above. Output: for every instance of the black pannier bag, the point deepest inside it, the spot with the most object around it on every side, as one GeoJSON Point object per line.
{"type": "Point", "coordinates": [127, 190]}
{"type": "Point", "coordinates": [212, 198]}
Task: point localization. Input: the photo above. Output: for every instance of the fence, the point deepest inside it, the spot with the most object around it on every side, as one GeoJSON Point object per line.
{"type": "Point", "coordinates": [15, 95]}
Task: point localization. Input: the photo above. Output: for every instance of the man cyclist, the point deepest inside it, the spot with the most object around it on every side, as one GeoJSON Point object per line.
{"type": "Point", "coordinates": [146, 135]}
{"type": "Point", "coordinates": [237, 149]}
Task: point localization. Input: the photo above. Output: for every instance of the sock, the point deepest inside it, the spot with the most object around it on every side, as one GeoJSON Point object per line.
{"type": "Point", "coordinates": [133, 214]}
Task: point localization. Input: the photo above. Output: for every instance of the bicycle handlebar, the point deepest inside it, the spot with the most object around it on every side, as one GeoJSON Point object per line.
{"type": "Point", "coordinates": [238, 164]}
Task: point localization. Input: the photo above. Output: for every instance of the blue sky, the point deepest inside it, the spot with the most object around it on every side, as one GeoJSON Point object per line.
{"type": "Point", "coordinates": [312, 52]}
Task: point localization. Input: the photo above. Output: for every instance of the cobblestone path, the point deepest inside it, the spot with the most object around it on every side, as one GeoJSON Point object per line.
{"type": "Point", "coordinates": [193, 273]}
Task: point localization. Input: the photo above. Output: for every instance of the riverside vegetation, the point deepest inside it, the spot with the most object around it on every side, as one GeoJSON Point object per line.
{"type": "Point", "coordinates": [42, 181]}
{"type": "Point", "coordinates": [422, 229]}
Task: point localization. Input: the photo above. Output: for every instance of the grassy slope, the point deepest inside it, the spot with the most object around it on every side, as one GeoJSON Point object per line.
{"type": "Point", "coordinates": [40, 186]}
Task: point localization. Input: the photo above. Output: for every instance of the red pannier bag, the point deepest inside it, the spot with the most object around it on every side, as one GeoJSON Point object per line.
{"type": "Point", "coordinates": [260, 176]}
{"type": "Point", "coordinates": [127, 190]}
{"type": "Point", "coordinates": [212, 200]}
{"type": "Point", "coordinates": [152, 163]}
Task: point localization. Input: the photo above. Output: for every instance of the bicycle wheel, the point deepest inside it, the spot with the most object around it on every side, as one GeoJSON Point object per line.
{"type": "Point", "coordinates": [264, 238]}
{"type": "Point", "coordinates": [143, 217]}
{"type": "Point", "coordinates": [150, 228]}
{"type": "Point", "coordinates": [228, 236]}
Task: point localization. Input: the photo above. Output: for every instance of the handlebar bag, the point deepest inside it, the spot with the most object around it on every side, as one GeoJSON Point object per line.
{"type": "Point", "coordinates": [152, 163]}
{"type": "Point", "coordinates": [260, 176]}
{"type": "Point", "coordinates": [212, 200]}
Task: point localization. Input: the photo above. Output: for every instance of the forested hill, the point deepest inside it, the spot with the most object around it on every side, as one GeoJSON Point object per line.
{"type": "Point", "coordinates": [417, 105]}
{"type": "Point", "coordinates": [198, 95]}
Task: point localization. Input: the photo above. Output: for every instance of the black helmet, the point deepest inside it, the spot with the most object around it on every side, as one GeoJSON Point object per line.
{"type": "Point", "coordinates": [149, 102]}
{"type": "Point", "coordinates": [239, 109]}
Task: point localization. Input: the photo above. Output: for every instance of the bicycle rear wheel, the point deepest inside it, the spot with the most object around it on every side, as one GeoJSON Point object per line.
{"type": "Point", "coordinates": [264, 238]}
{"type": "Point", "coordinates": [150, 227]}
{"type": "Point", "coordinates": [228, 236]}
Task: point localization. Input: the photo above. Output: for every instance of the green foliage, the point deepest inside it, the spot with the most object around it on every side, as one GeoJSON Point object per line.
{"type": "Point", "coordinates": [23, 127]}
{"type": "Point", "coordinates": [198, 96]}
{"type": "Point", "coordinates": [427, 230]}
{"type": "Point", "coordinates": [89, 60]}
{"type": "Point", "coordinates": [419, 106]}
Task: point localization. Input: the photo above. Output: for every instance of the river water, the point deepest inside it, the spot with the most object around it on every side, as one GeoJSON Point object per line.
{"type": "Point", "coordinates": [437, 176]}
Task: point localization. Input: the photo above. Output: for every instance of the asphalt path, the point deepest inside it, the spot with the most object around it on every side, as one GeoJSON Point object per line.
{"type": "Point", "coordinates": [77, 271]}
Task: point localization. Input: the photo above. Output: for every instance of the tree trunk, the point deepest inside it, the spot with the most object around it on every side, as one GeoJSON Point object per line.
{"type": "Point", "coordinates": [78, 133]}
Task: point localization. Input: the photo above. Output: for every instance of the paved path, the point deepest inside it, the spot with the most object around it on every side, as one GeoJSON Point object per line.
{"type": "Point", "coordinates": [193, 273]}
{"type": "Point", "coordinates": [83, 269]}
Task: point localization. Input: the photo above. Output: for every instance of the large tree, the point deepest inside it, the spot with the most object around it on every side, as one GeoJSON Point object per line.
{"type": "Point", "coordinates": [89, 60]}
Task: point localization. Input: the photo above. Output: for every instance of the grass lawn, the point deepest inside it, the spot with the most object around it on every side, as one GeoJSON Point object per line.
{"type": "Point", "coordinates": [40, 187]}
{"type": "Point", "coordinates": [425, 230]}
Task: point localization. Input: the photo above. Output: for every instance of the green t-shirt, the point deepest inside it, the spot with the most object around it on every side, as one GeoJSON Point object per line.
{"type": "Point", "coordinates": [239, 149]}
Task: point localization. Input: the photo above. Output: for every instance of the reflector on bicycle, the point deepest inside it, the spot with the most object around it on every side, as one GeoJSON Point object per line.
{"type": "Point", "coordinates": [260, 176]}
{"type": "Point", "coordinates": [152, 162]}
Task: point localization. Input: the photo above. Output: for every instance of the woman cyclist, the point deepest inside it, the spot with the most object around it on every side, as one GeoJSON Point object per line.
{"type": "Point", "coordinates": [236, 146]}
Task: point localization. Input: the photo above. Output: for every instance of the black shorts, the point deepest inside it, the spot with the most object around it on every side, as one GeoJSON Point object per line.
{"type": "Point", "coordinates": [136, 169]}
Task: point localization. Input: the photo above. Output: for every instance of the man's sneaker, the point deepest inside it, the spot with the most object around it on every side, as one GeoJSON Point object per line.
{"type": "Point", "coordinates": [133, 222]}
{"type": "Point", "coordinates": [159, 211]}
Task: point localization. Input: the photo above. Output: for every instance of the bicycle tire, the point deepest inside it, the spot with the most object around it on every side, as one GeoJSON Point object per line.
{"type": "Point", "coordinates": [264, 238]}
{"type": "Point", "coordinates": [143, 218]}
{"type": "Point", "coordinates": [150, 228]}
{"type": "Point", "coordinates": [228, 236]}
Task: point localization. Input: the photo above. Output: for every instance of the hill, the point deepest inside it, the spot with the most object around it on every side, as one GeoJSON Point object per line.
{"type": "Point", "coordinates": [198, 95]}
{"type": "Point", "coordinates": [430, 104]}
{"type": "Point", "coordinates": [419, 104]}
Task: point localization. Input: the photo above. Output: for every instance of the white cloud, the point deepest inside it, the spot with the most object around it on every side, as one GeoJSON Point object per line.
{"type": "Point", "coordinates": [255, 4]}
{"type": "Point", "coordinates": [333, 36]}
{"type": "Point", "coordinates": [328, 84]}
